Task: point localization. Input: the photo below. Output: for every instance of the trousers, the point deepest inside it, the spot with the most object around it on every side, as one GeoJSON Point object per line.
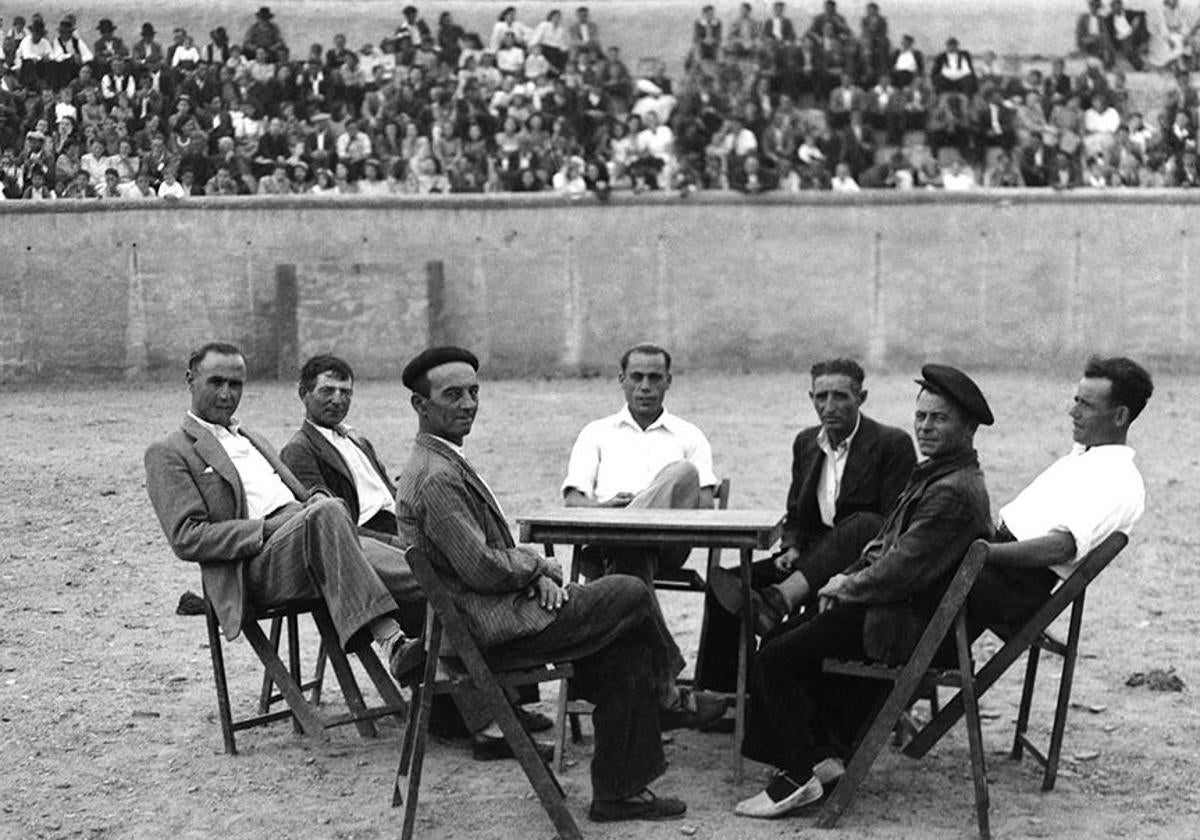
{"type": "Point", "coordinates": [625, 663]}
{"type": "Point", "coordinates": [316, 553]}
{"type": "Point", "coordinates": [831, 554]}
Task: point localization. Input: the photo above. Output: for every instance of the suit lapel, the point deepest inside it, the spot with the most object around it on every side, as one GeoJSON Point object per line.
{"type": "Point", "coordinates": [328, 451]}
{"type": "Point", "coordinates": [861, 455]}
{"type": "Point", "coordinates": [212, 453]}
{"type": "Point", "coordinates": [472, 478]}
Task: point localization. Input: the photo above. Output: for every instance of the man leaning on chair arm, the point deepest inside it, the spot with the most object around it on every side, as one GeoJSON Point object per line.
{"type": "Point", "coordinates": [1077, 502]}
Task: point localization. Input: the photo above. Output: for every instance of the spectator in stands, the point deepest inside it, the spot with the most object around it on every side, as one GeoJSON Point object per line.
{"type": "Point", "coordinates": [265, 34]}
{"type": "Point", "coordinates": [38, 189]}
{"type": "Point", "coordinates": [108, 46]}
{"type": "Point", "coordinates": [584, 34]}
{"type": "Point", "coordinates": [1100, 124]}
{"type": "Point", "coordinates": [32, 59]}
{"type": "Point", "coordinates": [908, 64]}
{"type": "Point", "coordinates": [778, 29]}
{"type": "Point", "coordinates": [874, 44]}
{"type": "Point", "coordinates": [958, 177]}
{"type": "Point", "coordinates": [745, 34]}
{"type": "Point", "coordinates": [507, 24]}
{"type": "Point", "coordinates": [706, 36]}
{"type": "Point", "coordinates": [1003, 173]}
{"type": "Point", "coordinates": [842, 180]}
{"type": "Point", "coordinates": [1091, 33]}
{"type": "Point", "coordinates": [953, 71]}
{"type": "Point", "coordinates": [1127, 33]}
{"type": "Point", "coordinates": [147, 50]}
{"type": "Point", "coordinates": [553, 39]}
{"type": "Point", "coordinates": [995, 123]}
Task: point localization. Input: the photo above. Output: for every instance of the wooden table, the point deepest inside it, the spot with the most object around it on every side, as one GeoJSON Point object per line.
{"type": "Point", "coordinates": [745, 530]}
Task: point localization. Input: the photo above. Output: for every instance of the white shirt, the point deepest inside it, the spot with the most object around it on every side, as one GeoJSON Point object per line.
{"type": "Point", "coordinates": [956, 66]}
{"type": "Point", "coordinates": [1090, 493]}
{"type": "Point", "coordinates": [829, 483]}
{"type": "Point", "coordinates": [264, 489]}
{"type": "Point", "coordinates": [373, 495]}
{"type": "Point", "coordinates": [615, 455]}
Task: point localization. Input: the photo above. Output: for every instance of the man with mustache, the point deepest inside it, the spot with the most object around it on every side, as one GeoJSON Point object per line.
{"type": "Point", "coordinates": [519, 612]}
{"type": "Point", "coordinates": [226, 502]}
{"type": "Point", "coordinates": [803, 721]}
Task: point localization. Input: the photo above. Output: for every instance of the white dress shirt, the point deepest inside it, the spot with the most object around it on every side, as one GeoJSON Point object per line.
{"type": "Point", "coordinates": [373, 495]}
{"type": "Point", "coordinates": [264, 489]}
{"type": "Point", "coordinates": [615, 455]}
{"type": "Point", "coordinates": [1090, 493]}
{"type": "Point", "coordinates": [829, 483]}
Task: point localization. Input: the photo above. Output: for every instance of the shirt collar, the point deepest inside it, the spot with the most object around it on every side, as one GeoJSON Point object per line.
{"type": "Point", "coordinates": [341, 430]}
{"type": "Point", "coordinates": [231, 429]}
{"type": "Point", "coordinates": [665, 420]}
{"type": "Point", "coordinates": [453, 447]}
{"type": "Point", "coordinates": [844, 446]}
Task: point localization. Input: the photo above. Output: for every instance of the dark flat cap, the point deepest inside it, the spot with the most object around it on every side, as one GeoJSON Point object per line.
{"type": "Point", "coordinates": [427, 360]}
{"type": "Point", "coordinates": [960, 389]}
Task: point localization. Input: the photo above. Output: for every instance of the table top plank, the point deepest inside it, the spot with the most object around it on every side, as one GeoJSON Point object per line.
{"type": "Point", "coordinates": [623, 526]}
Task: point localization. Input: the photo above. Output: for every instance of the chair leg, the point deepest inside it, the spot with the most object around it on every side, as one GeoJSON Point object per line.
{"type": "Point", "coordinates": [293, 631]}
{"type": "Point", "coordinates": [544, 783]}
{"type": "Point", "coordinates": [1064, 695]}
{"type": "Point", "coordinates": [318, 682]}
{"type": "Point", "coordinates": [268, 685]}
{"type": "Point", "coordinates": [1031, 669]}
{"type": "Point", "coordinates": [218, 664]}
{"type": "Point", "coordinates": [383, 681]}
{"type": "Point", "coordinates": [344, 673]}
{"type": "Point", "coordinates": [306, 716]}
{"type": "Point", "coordinates": [966, 670]}
{"type": "Point", "coordinates": [560, 719]}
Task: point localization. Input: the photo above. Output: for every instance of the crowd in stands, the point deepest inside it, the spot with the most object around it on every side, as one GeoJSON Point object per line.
{"type": "Point", "coordinates": [764, 103]}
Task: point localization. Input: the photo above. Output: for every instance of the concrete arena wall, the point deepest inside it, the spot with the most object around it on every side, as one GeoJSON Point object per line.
{"type": "Point", "coordinates": [543, 285]}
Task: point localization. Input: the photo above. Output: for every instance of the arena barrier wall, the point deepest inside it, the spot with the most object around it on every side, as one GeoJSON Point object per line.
{"type": "Point", "coordinates": [541, 285]}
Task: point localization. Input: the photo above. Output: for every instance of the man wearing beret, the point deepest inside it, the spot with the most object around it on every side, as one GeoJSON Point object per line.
{"type": "Point", "coordinates": [227, 503]}
{"type": "Point", "coordinates": [517, 609]}
{"type": "Point", "coordinates": [802, 721]}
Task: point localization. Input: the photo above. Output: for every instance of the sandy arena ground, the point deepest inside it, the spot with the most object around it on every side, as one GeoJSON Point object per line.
{"type": "Point", "coordinates": [107, 712]}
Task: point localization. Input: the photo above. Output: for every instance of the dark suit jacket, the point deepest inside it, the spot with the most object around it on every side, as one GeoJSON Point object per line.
{"type": "Point", "coordinates": [902, 574]}
{"type": "Point", "coordinates": [200, 503]}
{"type": "Point", "coordinates": [444, 508]}
{"type": "Point", "coordinates": [880, 461]}
{"type": "Point", "coordinates": [316, 463]}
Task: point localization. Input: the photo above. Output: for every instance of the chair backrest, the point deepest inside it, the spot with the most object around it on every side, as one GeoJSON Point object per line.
{"type": "Point", "coordinates": [443, 611]}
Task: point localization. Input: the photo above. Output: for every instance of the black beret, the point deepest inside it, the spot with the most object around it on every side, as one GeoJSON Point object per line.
{"type": "Point", "coordinates": [960, 389]}
{"type": "Point", "coordinates": [426, 360]}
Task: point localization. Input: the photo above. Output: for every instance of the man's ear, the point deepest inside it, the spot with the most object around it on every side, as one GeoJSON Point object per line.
{"type": "Point", "coordinates": [862, 396]}
{"type": "Point", "coordinates": [1121, 417]}
{"type": "Point", "coordinates": [417, 401]}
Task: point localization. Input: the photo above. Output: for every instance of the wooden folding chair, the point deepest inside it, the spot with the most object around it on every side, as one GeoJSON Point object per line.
{"type": "Point", "coordinates": [1033, 638]}
{"type": "Point", "coordinates": [669, 580]}
{"type": "Point", "coordinates": [306, 719]}
{"type": "Point", "coordinates": [444, 619]}
{"type": "Point", "coordinates": [910, 680]}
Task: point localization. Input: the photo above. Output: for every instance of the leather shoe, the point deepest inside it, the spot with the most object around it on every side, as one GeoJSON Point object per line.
{"type": "Point", "coordinates": [406, 659]}
{"type": "Point", "coordinates": [642, 806]}
{"type": "Point", "coordinates": [695, 710]}
{"type": "Point", "coordinates": [726, 587]}
{"type": "Point", "coordinates": [769, 610]}
{"type": "Point", "coordinates": [533, 721]}
{"type": "Point", "coordinates": [491, 748]}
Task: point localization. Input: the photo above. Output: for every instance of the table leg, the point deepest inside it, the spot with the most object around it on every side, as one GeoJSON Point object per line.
{"type": "Point", "coordinates": [747, 643]}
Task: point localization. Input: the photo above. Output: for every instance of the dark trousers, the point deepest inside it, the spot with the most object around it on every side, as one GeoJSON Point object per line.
{"type": "Point", "coordinates": [625, 662]}
{"type": "Point", "coordinates": [828, 556]}
{"type": "Point", "coordinates": [1005, 597]}
{"type": "Point", "coordinates": [798, 715]}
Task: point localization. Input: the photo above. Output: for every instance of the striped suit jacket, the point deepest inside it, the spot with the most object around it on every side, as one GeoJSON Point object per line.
{"type": "Point", "coordinates": [444, 509]}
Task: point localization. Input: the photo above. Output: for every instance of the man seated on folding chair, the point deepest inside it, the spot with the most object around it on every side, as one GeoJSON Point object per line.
{"type": "Point", "coordinates": [327, 453]}
{"type": "Point", "coordinates": [517, 609]}
{"type": "Point", "coordinates": [641, 457]}
{"type": "Point", "coordinates": [801, 720]}
{"type": "Point", "coordinates": [226, 501]}
{"type": "Point", "coordinates": [1091, 492]}
{"type": "Point", "coordinates": [847, 472]}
